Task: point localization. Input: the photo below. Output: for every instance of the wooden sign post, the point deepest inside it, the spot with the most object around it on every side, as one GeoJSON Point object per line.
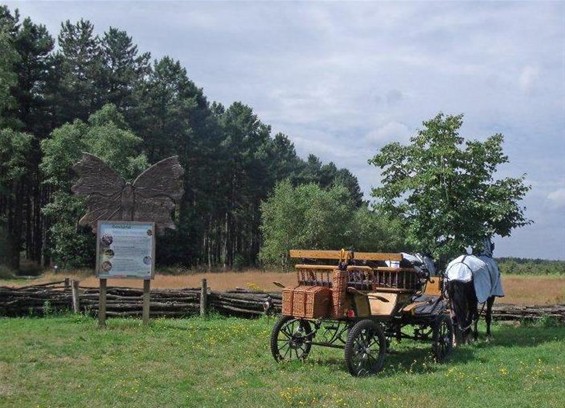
{"type": "Point", "coordinates": [126, 217]}
{"type": "Point", "coordinates": [102, 304]}
{"type": "Point", "coordinates": [146, 300]}
{"type": "Point", "coordinates": [125, 249]}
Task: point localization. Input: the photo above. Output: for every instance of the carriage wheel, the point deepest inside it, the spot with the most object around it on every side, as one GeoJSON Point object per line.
{"type": "Point", "coordinates": [442, 342]}
{"type": "Point", "coordinates": [365, 349]}
{"type": "Point", "coordinates": [291, 339]}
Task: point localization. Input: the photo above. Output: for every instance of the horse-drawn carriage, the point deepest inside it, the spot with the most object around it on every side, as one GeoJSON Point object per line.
{"type": "Point", "coordinates": [359, 301]}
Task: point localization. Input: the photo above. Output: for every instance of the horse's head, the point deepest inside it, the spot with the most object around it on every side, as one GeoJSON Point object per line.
{"type": "Point", "coordinates": [487, 248]}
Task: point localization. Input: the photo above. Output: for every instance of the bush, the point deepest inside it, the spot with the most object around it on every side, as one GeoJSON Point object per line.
{"type": "Point", "coordinates": [521, 266]}
{"type": "Point", "coordinates": [309, 217]}
{"type": "Point", "coordinates": [6, 273]}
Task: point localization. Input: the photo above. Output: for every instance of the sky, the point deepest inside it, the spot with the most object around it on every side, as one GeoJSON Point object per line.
{"type": "Point", "coordinates": [342, 79]}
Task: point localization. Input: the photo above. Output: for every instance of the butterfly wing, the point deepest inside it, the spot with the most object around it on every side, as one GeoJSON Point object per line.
{"type": "Point", "coordinates": [157, 190]}
{"type": "Point", "coordinates": [102, 187]}
{"type": "Point", "coordinates": [103, 208]}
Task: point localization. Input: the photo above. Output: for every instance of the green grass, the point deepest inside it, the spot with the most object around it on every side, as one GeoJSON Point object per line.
{"type": "Point", "coordinates": [67, 361]}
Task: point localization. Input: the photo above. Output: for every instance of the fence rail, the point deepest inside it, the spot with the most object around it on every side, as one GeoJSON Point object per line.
{"type": "Point", "coordinates": [39, 300]}
{"type": "Point", "coordinates": [67, 295]}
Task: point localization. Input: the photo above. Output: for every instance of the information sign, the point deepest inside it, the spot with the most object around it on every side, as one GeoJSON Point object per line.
{"type": "Point", "coordinates": [125, 249]}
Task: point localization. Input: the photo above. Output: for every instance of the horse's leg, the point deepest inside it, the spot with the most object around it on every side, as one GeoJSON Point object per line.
{"type": "Point", "coordinates": [472, 305]}
{"type": "Point", "coordinates": [454, 294]}
{"type": "Point", "coordinates": [488, 316]}
{"type": "Point", "coordinates": [456, 335]}
{"type": "Point", "coordinates": [470, 313]}
{"type": "Point", "coordinates": [474, 314]}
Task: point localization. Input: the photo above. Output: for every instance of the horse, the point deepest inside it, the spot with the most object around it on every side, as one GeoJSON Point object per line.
{"type": "Point", "coordinates": [471, 280]}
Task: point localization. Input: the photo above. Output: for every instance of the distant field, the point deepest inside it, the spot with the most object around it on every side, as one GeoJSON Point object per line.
{"type": "Point", "coordinates": [519, 289]}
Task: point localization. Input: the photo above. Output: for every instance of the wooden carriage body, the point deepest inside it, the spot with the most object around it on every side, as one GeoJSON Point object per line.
{"type": "Point", "coordinates": [344, 284]}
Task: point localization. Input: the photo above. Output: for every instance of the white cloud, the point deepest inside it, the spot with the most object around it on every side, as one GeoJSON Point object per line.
{"type": "Point", "coordinates": [557, 198]}
{"type": "Point", "coordinates": [394, 96]}
{"type": "Point", "coordinates": [528, 78]}
{"type": "Point", "coordinates": [391, 131]}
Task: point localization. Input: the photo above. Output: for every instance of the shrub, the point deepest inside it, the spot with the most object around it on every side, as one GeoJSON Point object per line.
{"type": "Point", "coordinates": [6, 273]}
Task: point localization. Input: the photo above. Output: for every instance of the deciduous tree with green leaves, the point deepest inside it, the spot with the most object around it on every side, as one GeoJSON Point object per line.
{"type": "Point", "coordinates": [310, 217]}
{"type": "Point", "coordinates": [107, 136]}
{"type": "Point", "coordinates": [444, 190]}
{"type": "Point", "coordinates": [304, 217]}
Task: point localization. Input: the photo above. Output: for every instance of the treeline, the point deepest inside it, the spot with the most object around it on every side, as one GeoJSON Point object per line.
{"type": "Point", "coordinates": [99, 93]}
{"type": "Point", "coordinates": [523, 266]}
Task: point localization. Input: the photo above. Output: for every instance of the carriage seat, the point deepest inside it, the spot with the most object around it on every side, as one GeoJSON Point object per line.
{"type": "Point", "coordinates": [425, 305]}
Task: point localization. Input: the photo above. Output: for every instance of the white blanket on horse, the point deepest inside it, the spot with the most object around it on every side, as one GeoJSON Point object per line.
{"type": "Point", "coordinates": [482, 269]}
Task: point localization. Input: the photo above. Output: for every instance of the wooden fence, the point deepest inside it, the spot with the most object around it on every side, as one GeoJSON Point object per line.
{"type": "Point", "coordinates": [65, 296]}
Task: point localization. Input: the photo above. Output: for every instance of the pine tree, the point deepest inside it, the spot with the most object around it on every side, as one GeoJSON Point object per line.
{"type": "Point", "coordinates": [80, 65]}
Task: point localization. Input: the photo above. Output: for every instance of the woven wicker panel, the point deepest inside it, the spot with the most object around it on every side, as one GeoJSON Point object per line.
{"type": "Point", "coordinates": [340, 305]}
{"type": "Point", "coordinates": [299, 301]}
{"type": "Point", "coordinates": [339, 280]}
{"type": "Point", "coordinates": [287, 297]}
{"type": "Point", "coordinates": [339, 288]}
{"type": "Point", "coordinates": [318, 301]}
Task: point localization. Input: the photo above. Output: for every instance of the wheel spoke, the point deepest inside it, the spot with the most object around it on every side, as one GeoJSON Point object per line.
{"type": "Point", "coordinates": [365, 337]}
{"type": "Point", "coordinates": [374, 342]}
{"type": "Point", "coordinates": [287, 352]}
{"type": "Point", "coordinates": [286, 332]}
{"type": "Point", "coordinates": [371, 357]}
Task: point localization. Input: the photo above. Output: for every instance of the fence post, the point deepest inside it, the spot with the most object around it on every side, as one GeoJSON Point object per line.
{"type": "Point", "coordinates": [146, 300]}
{"type": "Point", "coordinates": [102, 304]}
{"type": "Point", "coordinates": [76, 296]}
{"type": "Point", "coordinates": [204, 298]}
{"type": "Point", "coordinates": [67, 283]}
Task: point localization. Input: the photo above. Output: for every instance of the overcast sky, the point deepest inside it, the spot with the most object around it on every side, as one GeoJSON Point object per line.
{"type": "Point", "coordinates": [341, 79]}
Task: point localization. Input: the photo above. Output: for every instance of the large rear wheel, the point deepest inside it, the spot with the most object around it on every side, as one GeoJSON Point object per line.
{"type": "Point", "coordinates": [291, 339]}
{"type": "Point", "coordinates": [365, 349]}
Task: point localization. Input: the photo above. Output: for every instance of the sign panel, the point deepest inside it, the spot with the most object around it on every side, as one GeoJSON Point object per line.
{"type": "Point", "coordinates": [125, 249]}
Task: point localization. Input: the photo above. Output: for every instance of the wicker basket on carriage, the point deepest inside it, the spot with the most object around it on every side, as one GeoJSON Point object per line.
{"type": "Point", "coordinates": [287, 301]}
{"type": "Point", "coordinates": [339, 290]}
{"type": "Point", "coordinates": [318, 302]}
{"type": "Point", "coordinates": [311, 302]}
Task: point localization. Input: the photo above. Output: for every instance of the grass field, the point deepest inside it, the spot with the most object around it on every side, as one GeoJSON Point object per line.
{"type": "Point", "coordinates": [65, 361]}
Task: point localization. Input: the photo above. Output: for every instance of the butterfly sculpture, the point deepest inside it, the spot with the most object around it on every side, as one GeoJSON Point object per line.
{"type": "Point", "coordinates": [150, 198]}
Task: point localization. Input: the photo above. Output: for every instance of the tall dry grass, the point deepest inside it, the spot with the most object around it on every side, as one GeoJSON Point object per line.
{"type": "Point", "coordinates": [519, 289]}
